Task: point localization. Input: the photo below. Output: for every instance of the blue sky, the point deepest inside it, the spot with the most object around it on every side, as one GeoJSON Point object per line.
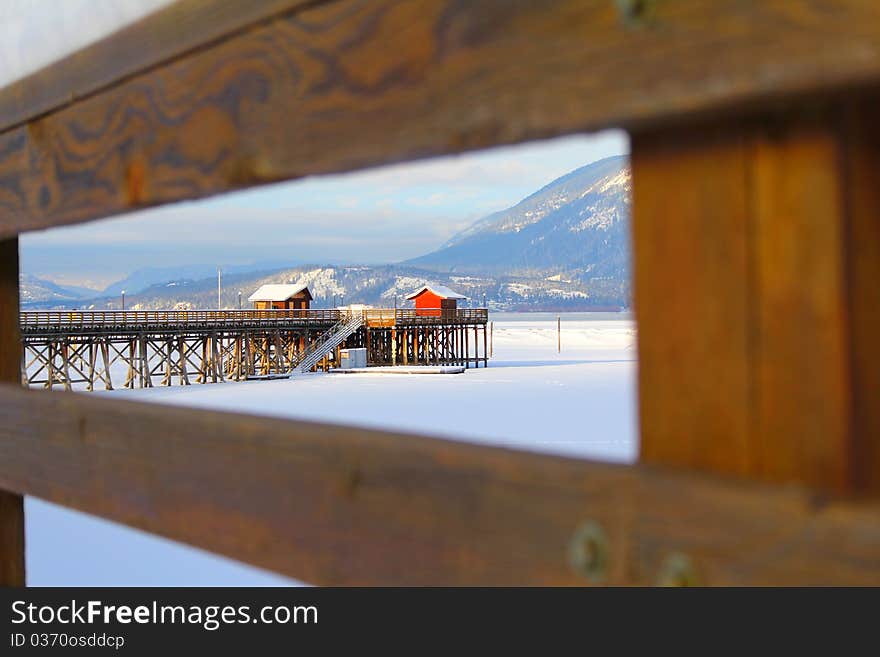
{"type": "Point", "coordinates": [379, 215]}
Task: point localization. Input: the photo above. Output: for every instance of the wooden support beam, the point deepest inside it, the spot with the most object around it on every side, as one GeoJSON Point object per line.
{"type": "Point", "coordinates": [12, 569]}
{"type": "Point", "coordinates": [756, 261]}
{"type": "Point", "coordinates": [105, 356]}
{"type": "Point", "coordinates": [232, 116]}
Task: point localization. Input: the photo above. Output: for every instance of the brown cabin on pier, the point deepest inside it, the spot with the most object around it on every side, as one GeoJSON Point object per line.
{"type": "Point", "coordinates": [288, 297]}
{"type": "Point", "coordinates": [432, 300]}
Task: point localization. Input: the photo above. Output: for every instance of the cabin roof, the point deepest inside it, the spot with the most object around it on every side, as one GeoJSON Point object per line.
{"type": "Point", "coordinates": [440, 290]}
{"type": "Point", "coordinates": [275, 292]}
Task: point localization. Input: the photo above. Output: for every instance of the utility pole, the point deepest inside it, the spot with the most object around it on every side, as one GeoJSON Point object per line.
{"type": "Point", "coordinates": [558, 334]}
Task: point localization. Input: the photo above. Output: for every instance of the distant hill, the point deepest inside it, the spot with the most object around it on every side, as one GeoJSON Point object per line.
{"type": "Point", "coordinates": [33, 289]}
{"type": "Point", "coordinates": [141, 279]}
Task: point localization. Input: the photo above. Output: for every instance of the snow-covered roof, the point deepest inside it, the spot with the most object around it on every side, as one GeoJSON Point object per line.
{"type": "Point", "coordinates": [440, 290]}
{"type": "Point", "coordinates": [274, 292]}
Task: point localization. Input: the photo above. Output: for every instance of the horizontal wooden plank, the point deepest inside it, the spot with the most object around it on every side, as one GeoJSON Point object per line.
{"type": "Point", "coordinates": [350, 83]}
{"type": "Point", "coordinates": [337, 505]}
{"type": "Point", "coordinates": [170, 32]}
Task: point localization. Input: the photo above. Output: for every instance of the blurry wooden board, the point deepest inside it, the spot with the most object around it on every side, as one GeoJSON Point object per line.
{"type": "Point", "coordinates": [11, 504]}
{"type": "Point", "coordinates": [862, 168]}
{"type": "Point", "coordinates": [800, 323]}
{"type": "Point", "coordinates": [12, 571]}
{"type": "Point", "coordinates": [292, 95]}
{"type": "Point", "coordinates": [337, 505]}
{"type": "Point", "coordinates": [791, 318]}
{"type": "Point", "coordinates": [168, 32]}
{"type": "Point", "coordinates": [691, 298]}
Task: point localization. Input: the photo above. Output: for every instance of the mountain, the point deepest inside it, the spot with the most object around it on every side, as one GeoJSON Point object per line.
{"type": "Point", "coordinates": [34, 289]}
{"type": "Point", "coordinates": [576, 227]}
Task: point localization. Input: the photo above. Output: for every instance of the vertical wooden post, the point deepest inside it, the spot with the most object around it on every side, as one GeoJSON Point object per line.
{"type": "Point", "coordinates": [105, 357]}
{"type": "Point", "coordinates": [50, 364]}
{"type": "Point", "coordinates": [757, 251]}
{"type": "Point", "coordinates": [166, 379]}
{"type": "Point", "coordinates": [862, 167]}
{"type": "Point", "coordinates": [476, 345]}
{"type": "Point", "coordinates": [181, 348]}
{"type": "Point", "coordinates": [145, 368]}
{"type": "Point", "coordinates": [558, 334]}
{"type": "Point", "coordinates": [65, 363]}
{"type": "Point", "coordinates": [11, 505]}
{"type": "Point", "coordinates": [93, 355]}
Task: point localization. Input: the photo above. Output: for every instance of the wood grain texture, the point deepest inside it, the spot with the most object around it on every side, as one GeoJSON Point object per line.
{"type": "Point", "coordinates": [803, 391]}
{"type": "Point", "coordinates": [170, 32]}
{"type": "Point", "coordinates": [293, 96]}
{"type": "Point", "coordinates": [862, 164]}
{"type": "Point", "coordinates": [691, 294]}
{"type": "Point", "coordinates": [12, 571]}
{"type": "Point", "coordinates": [793, 315]}
{"type": "Point", "coordinates": [336, 505]}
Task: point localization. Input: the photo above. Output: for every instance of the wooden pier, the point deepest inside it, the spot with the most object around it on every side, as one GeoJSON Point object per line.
{"type": "Point", "coordinates": [143, 349]}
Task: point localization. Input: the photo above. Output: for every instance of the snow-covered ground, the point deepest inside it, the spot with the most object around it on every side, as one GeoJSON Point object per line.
{"type": "Point", "coordinates": [579, 402]}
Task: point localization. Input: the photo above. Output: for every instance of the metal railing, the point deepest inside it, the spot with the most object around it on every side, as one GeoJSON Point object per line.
{"type": "Point", "coordinates": [328, 341]}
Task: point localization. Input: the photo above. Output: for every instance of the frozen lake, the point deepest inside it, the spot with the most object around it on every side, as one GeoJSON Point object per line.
{"type": "Point", "coordinates": [577, 402]}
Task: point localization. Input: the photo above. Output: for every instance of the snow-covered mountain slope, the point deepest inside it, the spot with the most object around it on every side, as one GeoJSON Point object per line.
{"type": "Point", "coordinates": [34, 289]}
{"type": "Point", "coordinates": [577, 224]}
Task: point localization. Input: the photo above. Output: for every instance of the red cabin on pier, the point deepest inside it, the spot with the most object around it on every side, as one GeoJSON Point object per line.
{"type": "Point", "coordinates": [434, 300]}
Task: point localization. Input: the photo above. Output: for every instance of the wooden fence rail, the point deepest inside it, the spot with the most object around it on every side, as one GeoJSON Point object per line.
{"type": "Point", "coordinates": [344, 505]}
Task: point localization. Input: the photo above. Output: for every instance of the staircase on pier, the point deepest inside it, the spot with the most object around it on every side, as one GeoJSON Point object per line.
{"type": "Point", "coordinates": [328, 342]}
